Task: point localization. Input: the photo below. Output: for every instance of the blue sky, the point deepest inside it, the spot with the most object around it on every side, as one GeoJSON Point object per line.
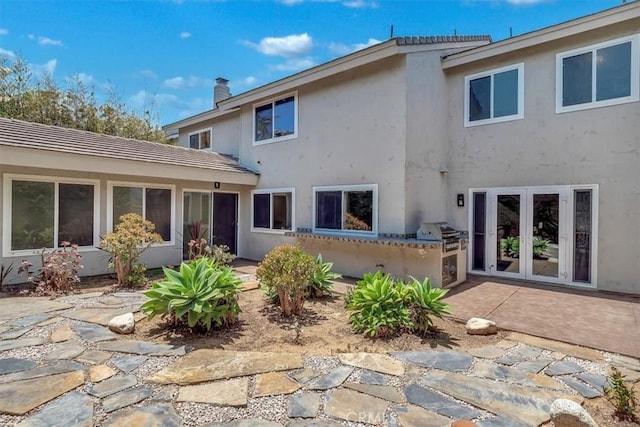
{"type": "Point", "coordinates": [168, 53]}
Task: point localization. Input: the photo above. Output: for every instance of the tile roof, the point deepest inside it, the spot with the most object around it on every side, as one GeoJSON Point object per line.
{"type": "Point", "coordinates": [22, 134]}
{"type": "Point", "coordinates": [418, 40]}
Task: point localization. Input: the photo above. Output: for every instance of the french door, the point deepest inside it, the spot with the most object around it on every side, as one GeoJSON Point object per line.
{"type": "Point", "coordinates": [542, 234]}
{"type": "Point", "coordinates": [210, 216]}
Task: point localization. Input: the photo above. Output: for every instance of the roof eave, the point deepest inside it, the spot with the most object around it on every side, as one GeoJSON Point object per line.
{"type": "Point", "coordinates": [198, 118]}
{"type": "Point", "coordinates": [545, 35]}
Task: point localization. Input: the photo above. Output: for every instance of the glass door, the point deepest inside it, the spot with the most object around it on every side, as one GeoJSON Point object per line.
{"type": "Point", "coordinates": [196, 219]}
{"type": "Point", "coordinates": [507, 233]}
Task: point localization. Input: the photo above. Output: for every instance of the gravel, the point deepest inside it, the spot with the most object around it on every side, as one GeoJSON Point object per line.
{"type": "Point", "coordinates": [322, 364]}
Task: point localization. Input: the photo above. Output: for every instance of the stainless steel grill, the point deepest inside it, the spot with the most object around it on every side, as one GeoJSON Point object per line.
{"type": "Point", "coordinates": [440, 231]}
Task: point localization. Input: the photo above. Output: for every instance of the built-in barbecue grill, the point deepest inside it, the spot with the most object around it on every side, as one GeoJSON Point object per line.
{"type": "Point", "coordinates": [451, 247]}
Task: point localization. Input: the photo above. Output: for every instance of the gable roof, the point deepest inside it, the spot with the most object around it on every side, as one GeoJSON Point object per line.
{"type": "Point", "coordinates": [18, 133]}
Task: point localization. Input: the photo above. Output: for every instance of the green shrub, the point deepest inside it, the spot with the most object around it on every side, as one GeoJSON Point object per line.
{"type": "Point", "coordinates": [286, 271]}
{"type": "Point", "coordinates": [540, 246]}
{"type": "Point", "coordinates": [132, 236]}
{"type": "Point", "coordinates": [378, 306]}
{"type": "Point", "coordinates": [201, 293]}
{"type": "Point", "coordinates": [622, 396]}
{"type": "Point", "coordinates": [425, 303]}
{"type": "Point", "coordinates": [511, 246]}
{"type": "Point", "coordinates": [321, 282]}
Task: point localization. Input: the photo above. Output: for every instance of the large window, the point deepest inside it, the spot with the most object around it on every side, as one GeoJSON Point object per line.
{"type": "Point", "coordinates": [494, 96]}
{"type": "Point", "coordinates": [152, 203]}
{"type": "Point", "coordinates": [200, 140]}
{"type": "Point", "coordinates": [599, 75]}
{"type": "Point", "coordinates": [276, 120]}
{"type": "Point", "coordinates": [351, 208]}
{"type": "Point", "coordinates": [44, 212]}
{"type": "Point", "coordinates": [272, 210]}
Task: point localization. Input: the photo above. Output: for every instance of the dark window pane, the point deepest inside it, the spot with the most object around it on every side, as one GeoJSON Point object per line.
{"type": "Point", "coordinates": [505, 93]}
{"type": "Point", "coordinates": [264, 122]}
{"type": "Point", "coordinates": [158, 210]}
{"type": "Point", "coordinates": [613, 72]}
{"type": "Point", "coordinates": [284, 117]}
{"type": "Point", "coordinates": [480, 99]}
{"type": "Point", "coordinates": [576, 79]}
{"type": "Point", "coordinates": [479, 230]}
{"type": "Point", "coordinates": [126, 200]}
{"type": "Point", "coordinates": [205, 139]}
{"type": "Point", "coordinates": [359, 210]}
{"type": "Point", "coordinates": [282, 211]}
{"type": "Point", "coordinates": [194, 141]}
{"type": "Point", "coordinates": [329, 210]}
{"type": "Point", "coordinates": [582, 236]}
{"type": "Point", "coordinates": [261, 210]}
{"type": "Point", "coordinates": [75, 214]}
{"type": "Point", "coordinates": [32, 205]}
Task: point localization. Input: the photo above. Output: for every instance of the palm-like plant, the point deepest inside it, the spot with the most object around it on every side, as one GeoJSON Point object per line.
{"type": "Point", "coordinates": [322, 277]}
{"type": "Point", "coordinates": [425, 303]}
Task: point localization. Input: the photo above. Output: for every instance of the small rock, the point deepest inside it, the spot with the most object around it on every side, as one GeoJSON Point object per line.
{"type": "Point", "coordinates": [123, 324]}
{"type": "Point", "coordinates": [478, 326]}
{"type": "Point", "coordinates": [567, 413]}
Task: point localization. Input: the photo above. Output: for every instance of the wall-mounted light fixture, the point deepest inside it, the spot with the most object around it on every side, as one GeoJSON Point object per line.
{"type": "Point", "coordinates": [461, 200]}
{"type": "Point", "coordinates": [216, 184]}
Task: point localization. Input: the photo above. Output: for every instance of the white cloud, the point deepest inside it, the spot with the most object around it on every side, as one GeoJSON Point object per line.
{"type": "Point", "coordinates": [287, 46]}
{"type": "Point", "coordinates": [148, 74]}
{"type": "Point", "coordinates": [31, 37]}
{"type": "Point", "coordinates": [7, 53]}
{"type": "Point", "coordinates": [294, 64]}
{"type": "Point", "coordinates": [291, 2]}
{"type": "Point", "coordinates": [360, 4]}
{"type": "Point", "coordinates": [3, 31]}
{"type": "Point", "coordinates": [46, 41]}
{"type": "Point", "coordinates": [185, 35]}
{"type": "Point", "coordinates": [86, 79]}
{"type": "Point", "coordinates": [48, 67]}
{"type": "Point", "coordinates": [189, 82]}
{"type": "Point", "coordinates": [343, 49]}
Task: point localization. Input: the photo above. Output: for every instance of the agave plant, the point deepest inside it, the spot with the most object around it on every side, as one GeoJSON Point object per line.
{"type": "Point", "coordinates": [425, 302]}
{"type": "Point", "coordinates": [201, 293]}
{"type": "Point", "coordinates": [321, 282]}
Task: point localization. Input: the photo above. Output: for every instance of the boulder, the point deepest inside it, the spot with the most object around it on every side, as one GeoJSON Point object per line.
{"type": "Point", "coordinates": [478, 326]}
{"type": "Point", "coordinates": [567, 413]}
{"type": "Point", "coordinates": [123, 324]}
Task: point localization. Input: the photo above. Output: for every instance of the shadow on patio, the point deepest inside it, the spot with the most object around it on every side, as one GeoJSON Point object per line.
{"type": "Point", "coordinates": [601, 320]}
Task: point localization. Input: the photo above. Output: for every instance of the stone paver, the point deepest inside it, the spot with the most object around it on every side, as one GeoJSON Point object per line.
{"type": "Point", "coordinates": [31, 320]}
{"type": "Point", "coordinates": [373, 362]}
{"type": "Point", "coordinates": [207, 365]}
{"type": "Point", "coordinates": [559, 346]}
{"type": "Point", "coordinates": [159, 415]}
{"type": "Point", "coordinates": [51, 321]}
{"type": "Point", "coordinates": [303, 405]}
{"type": "Point", "coordinates": [414, 416]}
{"type": "Point", "coordinates": [510, 359]}
{"type": "Point", "coordinates": [20, 343]}
{"type": "Point", "coordinates": [52, 368]}
{"type": "Point", "coordinates": [250, 422]}
{"type": "Point", "coordinates": [14, 364]}
{"type": "Point", "coordinates": [493, 371]}
{"type": "Point", "coordinates": [231, 392]}
{"type": "Point", "coordinates": [487, 352]}
{"type": "Point", "coordinates": [20, 397]}
{"type": "Point", "coordinates": [128, 363]}
{"type": "Point", "coordinates": [582, 388]}
{"type": "Point", "coordinates": [99, 315]}
{"type": "Point", "coordinates": [19, 307]}
{"type": "Point", "coordinates": [101, 372]}
{"type": "Point", "coordinates": [373, 378]}
{"type": "Point", "coordinates": [126, 398]}
{"type": "Point", "coordinates": [305, 375]}
{"type": "Point", "coordinates": [445, 360]}
{"type": "Point", "coordinates": [93, 357]}
{"type": "Point", "coordinates": [65, 350]}
{"type": "Point", "coordinates": [332, 379]}
{"type": "Point", "coordinates": [350, 405]}
{"type": "Point", "coordinates": [79, 297]}
{"type": "Point", "coordinates": [74, 409]}
{"type": "Point", "coordinates": [626, 361]}
{"type": "Point", "coordinates": [92, 332]}
{"type": "Point", "coordinates": [499, 422]}
{"type": "Point", "coordinates": [385, 392]}
{"type": "Point", "coordinates": [273, 383]}
{"type": "Point", "coordinates": [596, 381]}
{"type": "Point", "coordinates": [427, 399]}
{"type": "Point", "coordinates": [61, 334]}
{"type": "Point", "coordinates": [533, 366]}
{"type": "Point", "coordinates": [142, 347]}
{"type": "Point", "coordinates": [563, 368]}
{"type": "Point", "coordinates": [12, 334]}
{"type": "Point", "coordinates": [112, 385]}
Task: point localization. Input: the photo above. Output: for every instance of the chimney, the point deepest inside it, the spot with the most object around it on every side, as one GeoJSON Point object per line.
{"type": "Point", "coordinates": [220, 91]}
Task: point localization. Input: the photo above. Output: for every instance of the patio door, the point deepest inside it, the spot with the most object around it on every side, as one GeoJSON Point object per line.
{"type": "Point", "coordinates": [225, 220]}
{"type": "Point", "coordinates": [527, 233]}
{"type": "Point", "coordinates": [196, 219]}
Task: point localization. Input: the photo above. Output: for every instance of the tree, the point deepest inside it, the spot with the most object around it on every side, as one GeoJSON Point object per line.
{"type": "Point", "coordinates": [24, 96]}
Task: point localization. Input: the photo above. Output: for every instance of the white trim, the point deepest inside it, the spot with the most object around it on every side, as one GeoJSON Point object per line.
{"type": "Point", "coordinates": [144, 186]}
{"type": "Point", "coordinates": [272, 101]}
{"type": "Point", "coordinates": [634, 95]}
{"type": "Point", "coordinates": [347, 188]}
{"type": "Point", "coordinates": [198, 132]}
{"type": "Point", "coordinates": [272, 192]}
{"type": "Point", "coordinates": [491, 73]}
{"type": "Point", "coordinates": [8, 178]}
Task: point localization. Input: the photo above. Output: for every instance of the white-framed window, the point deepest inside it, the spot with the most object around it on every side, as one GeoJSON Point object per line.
{"type": "Point", "coordinates": [494, 96]}
{"type": "Point", "coordinates": [201, 140]}
{"type": "Point", "coordinates": [599, 75]}
{"type": "Point", "coordinates": [346, 208]}
{"type": "Point", "coordinates": [41, 212]}
{"type": "Point", "coordinates": [276, 120]}
{"type": "Point", "coordinates": [273, 210]}
{"type": "Point", "coordinates": [153, 202]}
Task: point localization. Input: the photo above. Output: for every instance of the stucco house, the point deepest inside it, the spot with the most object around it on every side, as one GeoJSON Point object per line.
{"type": "Point", "coordinates": [528, 146]}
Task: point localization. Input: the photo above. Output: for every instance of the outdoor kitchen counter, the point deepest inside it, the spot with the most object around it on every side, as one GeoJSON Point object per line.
{"type": "Point", "coordinates": [380, 240]}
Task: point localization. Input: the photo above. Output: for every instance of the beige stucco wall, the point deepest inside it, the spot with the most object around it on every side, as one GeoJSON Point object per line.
{"type": "Point", "coordinates": [225, 135]}
{"type": "Point", "coordinates": [595, 146]}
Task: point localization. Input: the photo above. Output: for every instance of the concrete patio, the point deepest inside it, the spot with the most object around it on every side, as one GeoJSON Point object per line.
{"type": "Point", "coordinates": [601, 320]}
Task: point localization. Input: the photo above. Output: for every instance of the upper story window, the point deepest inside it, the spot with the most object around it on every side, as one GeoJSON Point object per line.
{"type": "Point", "coordinates": [599, 75]}
{"type": "Point", "coordinates": [153, 203]}
{"type": "Point", "coordinates": [494, 96]}
{"type": "Point", "coordinates": [276, 120]}
{"type": "Point", "coordinates": [272, 210]}
{"type": "Point", "coordinates": [43, 212]}
{"type": "Point", "coordinates": [346, 208]}
{"type": "Point", "coordinates": [200, 140]}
